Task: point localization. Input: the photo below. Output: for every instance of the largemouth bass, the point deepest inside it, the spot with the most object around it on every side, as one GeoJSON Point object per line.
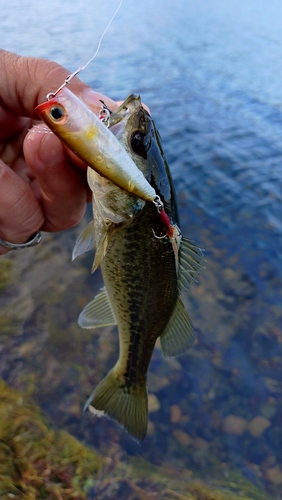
{"type": "Point", "coordinates": [143, 269]}
{"type": "Point", "coordinates": [145, 264]}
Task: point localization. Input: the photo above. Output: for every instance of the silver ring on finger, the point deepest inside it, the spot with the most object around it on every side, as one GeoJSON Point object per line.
{"type": "Point", "coordinates": [31, 242]}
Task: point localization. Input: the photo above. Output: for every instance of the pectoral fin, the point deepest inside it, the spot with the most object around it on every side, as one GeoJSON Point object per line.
{"type": "Point", "coordinates": [85, 241]}
{"type": "Point", "coordinates": [103, 229]}
{"type": "Point", "coordinates": [179, 335]}
{"type": "Point", "coordinates": [190, 262]}
{"type": "Point", "coordinates": [98, 312]}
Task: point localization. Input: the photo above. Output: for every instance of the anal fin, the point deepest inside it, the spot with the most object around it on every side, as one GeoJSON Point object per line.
{"type": "Point", "coordinates": [179, 334]}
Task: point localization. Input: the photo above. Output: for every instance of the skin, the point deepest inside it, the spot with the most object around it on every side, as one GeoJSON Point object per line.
{"type": "Point", "coordinates": [42, 184]}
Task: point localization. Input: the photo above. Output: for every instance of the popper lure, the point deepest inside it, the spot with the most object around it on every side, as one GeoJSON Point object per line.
{"type": "Point", "coordinates": [87, 136]}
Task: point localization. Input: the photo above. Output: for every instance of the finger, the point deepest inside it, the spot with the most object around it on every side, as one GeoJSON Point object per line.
{"type": "Point", "coordinates": [13, 125]}
{"type": "Point", "coordinates": [61, 186]}
{"type": "Point", "coordinates": [20, 212]}
{"type": "Point", "coordinates": [25, 82]}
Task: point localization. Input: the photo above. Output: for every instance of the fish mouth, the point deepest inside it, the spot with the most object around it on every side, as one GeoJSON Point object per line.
{"type": "Point", "coordinates": [131, 104]}
{"type": "Point", "coordinates": [131, 120]}
{"type": "Point", "coordinates": [131, 100]}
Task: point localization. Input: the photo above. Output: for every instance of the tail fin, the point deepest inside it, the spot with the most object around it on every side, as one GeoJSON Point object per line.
{"type": "Point", "coordinates": [127, 405]}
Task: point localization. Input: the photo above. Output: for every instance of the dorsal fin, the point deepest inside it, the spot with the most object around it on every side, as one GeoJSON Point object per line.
{"type": "Point", "coordinates": [190, 262]}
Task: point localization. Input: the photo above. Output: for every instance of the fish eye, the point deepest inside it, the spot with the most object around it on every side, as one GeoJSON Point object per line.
{"type": "Point", "coordinates": [140, 143]}
{"type": "Point", "coordinates": [57, 113]}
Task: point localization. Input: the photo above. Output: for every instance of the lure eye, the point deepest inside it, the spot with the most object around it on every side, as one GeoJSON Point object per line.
{"type": "Point", "coordinates": [140, 143]}
{"type": "Point", "coordinates": [57, 113]}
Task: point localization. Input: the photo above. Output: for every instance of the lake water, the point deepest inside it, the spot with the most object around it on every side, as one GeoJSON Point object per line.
{"type": "Point", "coordinates": [211, 74]}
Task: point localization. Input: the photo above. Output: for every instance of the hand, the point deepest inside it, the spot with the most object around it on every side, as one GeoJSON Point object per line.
{"type": "Point", "coordinates": [42, 185]}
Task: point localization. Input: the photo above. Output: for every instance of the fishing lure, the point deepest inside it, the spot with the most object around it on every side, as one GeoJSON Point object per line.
{"type": "Point", "coordinates": [90, 139]}
{"type": "Point", "coordinates": [87, 136]}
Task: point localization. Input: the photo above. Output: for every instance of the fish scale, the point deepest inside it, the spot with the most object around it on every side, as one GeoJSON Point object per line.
{"type": "Point", "coordinates": [145, 280]}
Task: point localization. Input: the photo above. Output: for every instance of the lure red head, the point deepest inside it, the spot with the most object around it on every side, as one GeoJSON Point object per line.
{"type": "Point", "coordinates": [53, 112]}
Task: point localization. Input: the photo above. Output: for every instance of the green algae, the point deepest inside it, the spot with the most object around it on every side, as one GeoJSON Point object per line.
{"type": "Point", "coordinates": [5, 272]}
{"type": "Point", "coordinates": [185, 484]}
{"type": "Point", "coordinates": [36, 461]}
{"type": "Point", "coordinates": [6, 325]}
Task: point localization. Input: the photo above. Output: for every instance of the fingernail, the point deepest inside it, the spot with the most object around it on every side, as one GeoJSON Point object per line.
{"type": "Point", "coordinates": [37, 131]}
{"type": "Point", "coordinates": [91, 99]}
{"type": "Point", "coordinates": [47, 153]}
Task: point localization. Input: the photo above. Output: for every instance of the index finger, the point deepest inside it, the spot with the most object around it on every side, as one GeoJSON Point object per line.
{"type": "Point", "coordinates": [26, 81]}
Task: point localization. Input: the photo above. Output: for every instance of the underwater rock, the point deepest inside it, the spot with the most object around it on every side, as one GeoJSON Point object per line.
{"type": "Point", "coordinates": [175, 414]}
{"type": "Point", "coordinates": [234, 425]}
{"type": "Point", "coordinates": [258, 425]}
{"type": "Point", "coordinates": [153, 403]}
{"type": "Point", "coordinates": [274, 475]}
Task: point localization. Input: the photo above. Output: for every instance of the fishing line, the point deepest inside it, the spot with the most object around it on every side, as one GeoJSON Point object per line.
{"type": "Point", "coordinates": [81, 68]}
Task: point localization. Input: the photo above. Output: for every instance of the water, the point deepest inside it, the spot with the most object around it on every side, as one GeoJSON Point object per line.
{"type": "Point", "coordinates": [211, 74]}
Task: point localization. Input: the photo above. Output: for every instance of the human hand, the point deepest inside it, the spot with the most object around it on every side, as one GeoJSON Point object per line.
{"type": "Point", "coordinates": [42, 185]}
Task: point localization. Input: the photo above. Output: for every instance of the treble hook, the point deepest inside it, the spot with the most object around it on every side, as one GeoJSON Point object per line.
{"type": "Point", "coordinates": [105, 113]}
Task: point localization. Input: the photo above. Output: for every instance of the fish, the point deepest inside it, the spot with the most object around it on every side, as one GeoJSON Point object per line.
{"type": "Point", "coordinates": [82, 131]}
{"type": "Point", "coordinates": [144, 270]}
{"type": "Point", "coordinates": [146, 263]}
